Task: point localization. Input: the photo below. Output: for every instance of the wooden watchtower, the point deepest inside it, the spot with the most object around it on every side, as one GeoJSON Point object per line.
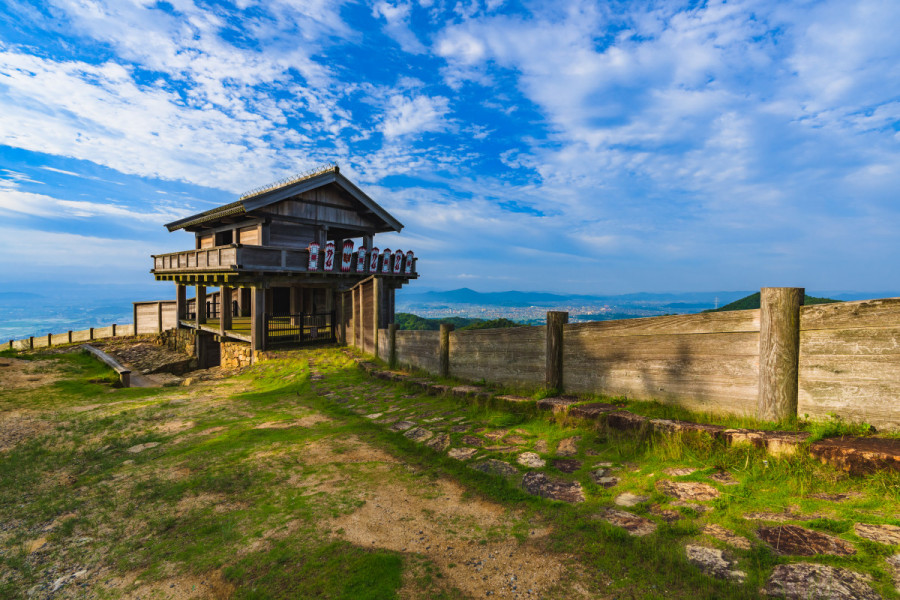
{"type": "Point", "coordinates": [293, 262]}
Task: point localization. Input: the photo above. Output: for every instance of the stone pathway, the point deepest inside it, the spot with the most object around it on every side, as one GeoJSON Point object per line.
{"type": "Point", "coordinates": [559, 472]}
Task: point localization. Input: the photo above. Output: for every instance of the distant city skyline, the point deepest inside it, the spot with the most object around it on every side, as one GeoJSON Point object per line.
{"type": "Point", "coordinates": [572, 146]}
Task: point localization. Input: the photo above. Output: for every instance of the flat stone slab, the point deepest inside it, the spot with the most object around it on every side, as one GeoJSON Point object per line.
{"type": "Point", "coordinates": [807, 581]}
{"type": "Point", "coordinates": [568, 446]}
{"type": "Point", "coordinates": [532, 460]}
{"type": "Point", "coordinates": [883, 534]}
{"type": "Point", "coordinates": [540, 446]}
{"type": "Point", "coordinates": [894, 563]}
{"type": "Point", "coordinates": [700, 508]}
{"type": "Point", "coordinates": [439, 442]}
{"type": "Point", "coordinates": [727, 536]}
{"type": "Point", "coordinates": [776, 443]}
{"type": "Point", "coordinates": [713, 562]}
{"type": "Point", "coordinates": [557, 404]}
{"type": "Point", "coordinates": [679, 471]}
{"type": "Point", "coordinates": [629, 499]}
{"type": "Point", "coordinates": [840, 497]}
{"type": "Point", "coordinates": [467, 390]}
{"type": "Point", "coordinates": [374, 416]}
{"type": "Point", "coordinates": [471, 440]}
{"type": "Point", "coordinates": [676, 426]}
{"type": "Point", "coordinates": [667, 515]}
{"type": "Point", "coordinates": [501, 448]}
{"type": "Point", "coordinates": [633, 524]}
{"type": "Point", "coordinates": [592, 410]}
{"type": "Point", "coordinates": [437, 389]}
{"type": "Point", "coordinates": [691, 491]}
{"type": "Point", "coordinates": [495, 467]}
{"type": "Point", "coordinates": [462, 453]}
{"type": "Point", "coordinates": [626, 421]}
{"type": "Point", "coordinates": [516, 440]}
{"type": "Point", "coordinates": [418, 434]}
{"type": "Point", "coordinates": [723, 478]}
{"type": "Point", "coordinates": [402, 426]}
{"type": "Point", "coordinates": [799, 541]}
{"type": "Point", "coordinates": [859, 456]}
{"type": "Point", "coordinates": [459, 428]}
{"type": "Point", "coordinates": [538, 484]}
{"type": "Point", "coordinates": [567, 465]}
{"type": "Point", "coordinates": [605, 481]}
{"type": "Point", "coordinates": [495, 435]}
{"type": "Point", "coordinates": [386, 420]}
{"type": "Point", "coordinates": [515, 399]}
{"type": "Point", "coordinates": [782, 517]}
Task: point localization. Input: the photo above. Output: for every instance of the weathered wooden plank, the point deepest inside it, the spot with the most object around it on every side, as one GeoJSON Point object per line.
{"type": "Point", "coordinates": [868, 341]}
{"type": "Point", "coordinates": [124, 372]}
{"type": "Point", "coordinates": [419, 349]}
{"type": "Point", "coordinates": [884, 312]}
{"type": "Point", "coordinates": [842, 367]}
{"type": "Point", "coordinates": [383, 345]}
{"type": "Point", "coordinates": [779, 352]}
{"type": "Point", "coordinates": [736, 321]}
{"type": "Point", "coordinates": [873, 402]}
{"type": "Point", "coordinates": [580, 345]}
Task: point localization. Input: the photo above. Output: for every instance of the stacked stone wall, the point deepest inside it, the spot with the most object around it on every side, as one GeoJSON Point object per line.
{"type": "Point", "coordinates": [179, 340]}
{"type": "Point", "coordinates": [236, 354]}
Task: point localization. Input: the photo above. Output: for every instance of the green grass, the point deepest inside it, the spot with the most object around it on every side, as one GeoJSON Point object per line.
{"type": "Point", "coordinates": [221, 495]}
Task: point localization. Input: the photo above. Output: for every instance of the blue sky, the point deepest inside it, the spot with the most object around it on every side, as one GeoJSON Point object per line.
{"type": "Point", "coordinates": [595, 147]}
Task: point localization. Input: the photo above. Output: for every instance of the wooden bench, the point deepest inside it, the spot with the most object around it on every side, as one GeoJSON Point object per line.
{"type": "Point", "coordinates": [124, 373]}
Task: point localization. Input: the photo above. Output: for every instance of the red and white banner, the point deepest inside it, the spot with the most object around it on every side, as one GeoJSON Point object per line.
{"type": "Point", "coordinates": [386, 261]}
{"type": "Point", "coordinates": [373, 261]}
{"type": "Point", "coordinates": [329, 256]}
{"type": "Point", "coordinates": [313, 256]}
{"type": "Point", "coordinates": [361, 260]}
{"type": "Point", "coordinates": [346, 256]}
{"type": "Point", "coordinates": [409, 263]}
{"type": "Point", "coordinates": [398, 261]}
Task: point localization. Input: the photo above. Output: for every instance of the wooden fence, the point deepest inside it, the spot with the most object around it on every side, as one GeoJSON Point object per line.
{"type": "Point", "coordinates": [836, 359]}
{"type": "Point", "coordinates": [71, 337]}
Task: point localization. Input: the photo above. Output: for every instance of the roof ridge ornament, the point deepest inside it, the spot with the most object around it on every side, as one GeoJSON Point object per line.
{"type": "Point", "coordinates": [323, 168]}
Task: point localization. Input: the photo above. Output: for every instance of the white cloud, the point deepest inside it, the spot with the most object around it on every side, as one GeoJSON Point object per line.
{"type": "Point", "coordinates": [410, 116]}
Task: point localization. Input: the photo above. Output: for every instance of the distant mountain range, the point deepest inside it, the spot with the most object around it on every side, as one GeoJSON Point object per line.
{"type": "Point", "coordinates": [685, 300]}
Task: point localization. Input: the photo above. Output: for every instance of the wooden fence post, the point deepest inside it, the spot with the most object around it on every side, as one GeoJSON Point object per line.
{"type": "Point", "coordinates": [392, 345]}
{"type": "Point", "coordinates": [377, 287]}
{"type": "Point", "coordinates": [444, 352]}
{"type": "Point", "coordinates": [70, 336]}
{"type": "Point", "coordinates": [90, 333]}
{"type": "Point", "coordinates": [553, 376]}
{"type": "Point", "coordinates": [779, 353]}
{"type": "Point", "coordinates": [159, 318]}
{"type": "Point", "coordinates": [49, 340]}
{"type": "Point", "coordinates": [134, 316]}
{"type": "Point", "coordinates": [31, 343]}
{"type": "Point", "coordinates": [11, 344]}
{"type": "Point", "coordinates": [113, 330]}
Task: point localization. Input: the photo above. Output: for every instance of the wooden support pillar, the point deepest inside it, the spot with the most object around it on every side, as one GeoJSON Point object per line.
{"type": "Point", "coordinates": [180, 303]}
{"type": "Point", "coordinates": [377, 287]}
{"type": "Point", "coordinates": [392, 345]}
{"type": "Point", "coordinates": [340, 331]}
{"type": "Point", "coordinates": [159, 319]}
{"type": "Point", "coordinates": [553, 375]}
{"type": "Point", "coordinates": [779, 353]}
{"type": "Point", "coordinates": [201, 305]}
{"type": "Point", "coordinates": [258, 318]}
{"type": "Point", "coordinates": [357, 317]}
{"type": "Point", "coordinates": [225, 310]}
{"type": "Point", "coordinates": [444, 350]}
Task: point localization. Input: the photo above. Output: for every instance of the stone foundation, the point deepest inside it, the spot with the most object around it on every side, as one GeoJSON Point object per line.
{"type": "Point", "coordinates": [236, 354]}
{"type": "Point", "coordinates": [179, 340]}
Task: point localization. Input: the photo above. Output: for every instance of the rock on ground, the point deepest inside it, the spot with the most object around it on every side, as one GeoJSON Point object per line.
{"type": "Point", "coordinates": [402, 426]}
{"type": "Point", "coordinates": [807, 581]}
{"type": "Point", "coordinates": [567, 465]}
{"type": "Point", "coordinates": [531, 460]}
{"type": "Point", "coordinates": [629, 499]}
{"type": "Point", "coordinates": [633, 524]}
{"type": "Point", "coordinates": [712, 561]}
{"type": "Point", "coordinates": [461, 453]}
{"type": "Point", "coordinates": [439, 442]}
{"type": "Point", "coordinates": [568, 446]}
{"type": "Point", "coordinates": [894, 563]}
{"type": "Point", "coordinates": [679, 471]}
{"type": "Point", "coordinates": [724, 535]}
{"type": "Point", "coordinates": [492, 466]}
{"type": "Point", "coordinates": [883, 534]}
{"type": "Point", "coordinates": [418, 434]}
{"type": "Point", "coordinates": [687, 490]}
{"type": "Point", "coordinates": [539, 484]}
{"type": "Point", "coordinates": [791, 539]}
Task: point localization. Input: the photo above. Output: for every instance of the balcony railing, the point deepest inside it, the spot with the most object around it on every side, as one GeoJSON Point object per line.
{"type": "Point", "coordinates": [239, 258]}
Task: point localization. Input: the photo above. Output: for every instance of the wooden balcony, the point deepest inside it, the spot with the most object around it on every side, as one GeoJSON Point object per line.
{"type": "Point", "coordinates": [228, 262]}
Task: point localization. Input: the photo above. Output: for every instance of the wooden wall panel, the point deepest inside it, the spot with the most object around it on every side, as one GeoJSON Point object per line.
{"type": "Point", "coordinates": [147, 318]}
{"type": "Point", "coordinates": [249, 236]}
{"type": "Point", "coordinates": [291, 235]}
{"type": "Point", "coordinates": [367, 316]}
{"type": "Point", "coordinates": [419, 349]}
{"type": "Point", "coordinates": [207, 241]}
{"type": "Point", "coordinates": [170, 316]}
{"type": "Point", "coordinates": [850, 362]}
{"type": "Point", "coordinates": [383, 345]}
{"type": "Point", "coordinates": [667, 359]}
{"type": "Point", "coordinates": [515, 355]}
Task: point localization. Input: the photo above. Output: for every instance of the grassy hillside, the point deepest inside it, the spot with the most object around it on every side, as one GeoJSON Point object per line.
{"type": "Point", "coordinates": [752, 301]}
{"type": "Point", "coordinates": [417, 323]}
